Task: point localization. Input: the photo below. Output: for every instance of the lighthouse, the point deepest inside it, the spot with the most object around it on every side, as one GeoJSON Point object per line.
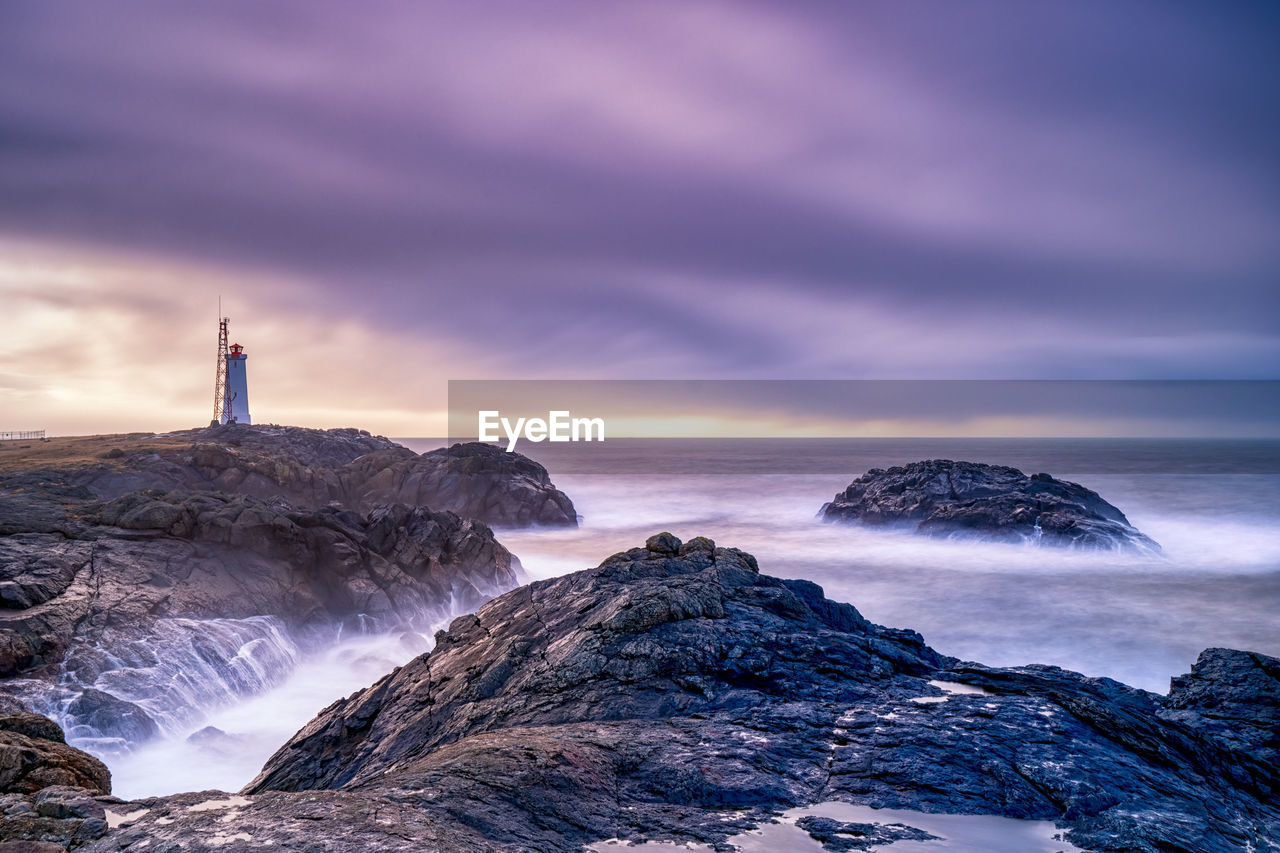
{"type": "Point", "coordinates": [230, 384]}
{"type": "Point", "coordinates": [236, 408]}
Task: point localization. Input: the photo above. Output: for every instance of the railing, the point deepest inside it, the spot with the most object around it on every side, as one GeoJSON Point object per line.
{"type": "Point", "coordinates": [22, 436]}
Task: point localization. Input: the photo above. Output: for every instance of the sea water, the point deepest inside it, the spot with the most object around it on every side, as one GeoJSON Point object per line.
{"type": "Point", "coordinates": [1214, 507]}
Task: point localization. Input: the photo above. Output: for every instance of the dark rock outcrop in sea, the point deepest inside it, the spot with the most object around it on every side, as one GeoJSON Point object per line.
{"type": "Point", "coordinates": [675, 692]}
{"type": "Point", "coordinates": [307, 467]}
{"type": "Point", "coordinates": [945, 498]}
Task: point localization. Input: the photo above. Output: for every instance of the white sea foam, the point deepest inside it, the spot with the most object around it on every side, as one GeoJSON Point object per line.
{"type": "Point", "coordinates": [248, 732]}
{"type": "Point", "coordinates": [1138, 618]}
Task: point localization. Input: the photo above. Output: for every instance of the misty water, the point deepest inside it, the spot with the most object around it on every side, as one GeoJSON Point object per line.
{"type": "Point", "coordinates": [227, 744]}
{"type": "Point", "coordinates": [1213, 506]}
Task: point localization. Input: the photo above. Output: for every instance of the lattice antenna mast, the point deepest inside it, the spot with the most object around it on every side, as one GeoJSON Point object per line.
{"type": "Point", "coordinates": [220, 375]}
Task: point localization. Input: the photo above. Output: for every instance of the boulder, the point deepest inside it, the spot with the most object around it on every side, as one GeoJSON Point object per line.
{"type": "Point", "coordinates": [474, 480]}
{"type": "Point", "coordinates": [940, 497]}
{"type": "Point", "coordinates": [34, 756]}
{"type": "Point", "coordinates": [63, 802]}
{"type": "Point", "coordinates": [110, 716]}
{"type": "Point", "coordinates": [35, 726]}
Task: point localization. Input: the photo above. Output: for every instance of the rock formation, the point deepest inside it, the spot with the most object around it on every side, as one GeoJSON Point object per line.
{"type": "Point", "coordinates": [50, 793]}
{"type": "Point", "coordinates": [34, 755]}
{"type": "Point", "coordinates": [307, 467]}
{"type": "Point", "coordinates": [90, 599]}
{"type": "Point", "coordinates": [944, 498]}
{"type": "Point", "coordinates": [474, 480]}
{"type": "Point", "coordinates": [124, 563]}
{"type": "Point", "coordinates": [674, 692]}
{"type": "Point", "coordinates": [125, 559]}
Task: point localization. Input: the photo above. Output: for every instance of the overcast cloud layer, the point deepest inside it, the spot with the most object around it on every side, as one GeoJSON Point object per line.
{"type": "Point", "coordinates": [662, 190]}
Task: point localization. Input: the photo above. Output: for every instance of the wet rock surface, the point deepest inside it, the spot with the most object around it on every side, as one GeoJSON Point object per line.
{"type": "Point", "coordinates": [50, 793]}
{"type": "Point", "coordinates": [674, 692]}
{"type": "Point", "coordinates": [210, 550]}
{"type": "Point", "coordinates": [205, 591]}
{"type": "Point", "coordinates": [312, 821]}
{"type": "Point", "coordinates": [940, 497]}
{"type": "Point", "coordinates": [121, 565]}
{"type": "Point", "coordinates": [109, 558]}
{"type": "Point", "coordinates": [34, 755]}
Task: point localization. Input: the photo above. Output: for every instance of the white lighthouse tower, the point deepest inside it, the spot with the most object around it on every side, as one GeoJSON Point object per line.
{"type": "Point", "coordinates": [236, 408]}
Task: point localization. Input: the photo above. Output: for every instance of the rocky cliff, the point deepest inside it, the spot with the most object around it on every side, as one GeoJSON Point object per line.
{"type": "Point", "coordinates": [307, 467]}
{"type": "Point", "coordinates": [121, 565]}
{"type": "Point", "coordinates": [183, 571]}
{"type": "Point", "coordinates": [944, 498]}
{"type": "Point", "coordinates": [111, 602]}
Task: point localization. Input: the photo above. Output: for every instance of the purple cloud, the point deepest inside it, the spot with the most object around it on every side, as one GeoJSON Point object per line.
{"type": "Point", "coordinates": [709, 189]}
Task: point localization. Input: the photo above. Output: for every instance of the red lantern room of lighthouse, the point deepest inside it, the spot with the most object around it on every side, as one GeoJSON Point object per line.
{"type": "Point", "coordinates": [237, 392]}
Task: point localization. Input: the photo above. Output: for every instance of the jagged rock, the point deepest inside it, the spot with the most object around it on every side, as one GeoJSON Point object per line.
{"type": "Point", "coordinates": [114, 540]}
{"type": "Point", "coordinates": [945, 498]}
{"type": "Point", "coordinates": [121, 584]}
{"type": "Point", "coordinates": [149, 555]}
{"type": "Point", "coordinates": [31, 847]}
{"type": "Point", "coordinates": [56, 818]}
{"type": "Point", "coordinates": [35, 726]}
{"type": "Point", "coordinates": [34, 756]}
{"type": "Point", "coordinates": [62, 802]}
{"type": "Point", "coordinates": [1236, 696]}
{"type": "Point", "coordinates": [674, 692]}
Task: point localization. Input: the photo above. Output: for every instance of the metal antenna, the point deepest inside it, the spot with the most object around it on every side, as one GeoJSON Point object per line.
{"type": "Point", "coordinates": [220, 373]}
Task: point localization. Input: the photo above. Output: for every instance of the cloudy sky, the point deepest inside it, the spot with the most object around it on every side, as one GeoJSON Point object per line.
{"type": "Point", "coordinates": [390, 195]}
